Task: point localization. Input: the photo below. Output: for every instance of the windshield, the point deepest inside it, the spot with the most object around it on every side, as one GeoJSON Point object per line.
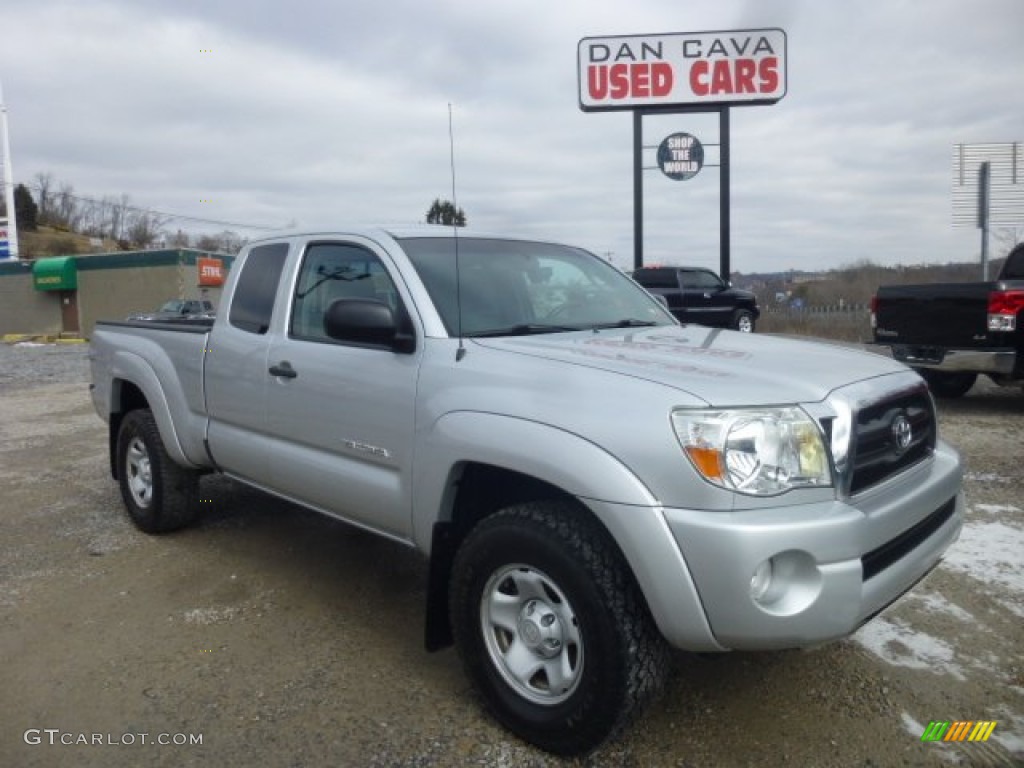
{"type": "Point", "coordinates": [511, 287]}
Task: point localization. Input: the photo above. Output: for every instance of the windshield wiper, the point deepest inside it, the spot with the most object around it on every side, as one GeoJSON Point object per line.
{"type": "Point", "coordinates": [629, 322]}
{"type": "Point", "coordinates": [339, 274]}
{"type": "Point", "coordinates": [523, 329]}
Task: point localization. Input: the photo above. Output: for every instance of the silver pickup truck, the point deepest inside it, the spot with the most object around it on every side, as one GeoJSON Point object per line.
{"type": "Point", "coordinates": [591, 481]}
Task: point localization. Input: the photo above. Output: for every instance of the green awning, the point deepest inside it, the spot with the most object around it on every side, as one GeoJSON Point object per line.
{"type": "Point", "coordinates": [57, 274]}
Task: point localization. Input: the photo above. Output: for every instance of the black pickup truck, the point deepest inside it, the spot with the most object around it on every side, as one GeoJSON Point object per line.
{"type": "Point", "coordinates": [700, 296]}
{"type": "Point", "coordinates": [951, 332]}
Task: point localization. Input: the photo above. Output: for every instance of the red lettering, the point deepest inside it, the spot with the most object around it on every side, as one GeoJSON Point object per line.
{"type": "Point", "coordinates": [621, 81]}
{"type": "Point", "coordinates": [698, 71]}
{"type": "Point", "coordinates": [721, 77]}
{"type": "Point", "coordinates": [745, 71]}
{"type": "Point", "coordinates": [641, 80]}
{"type": "Point", "coordinates": [597, 82]}
{"type": "Point", "coordinates": [618, 77]}
{"type": "Point", "coordinates": [768, 70]}
{"type": "Point", "coordinates": [662, 76]}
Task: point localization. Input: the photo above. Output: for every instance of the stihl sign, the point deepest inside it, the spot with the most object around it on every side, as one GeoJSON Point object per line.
{"type": "Point", "coordinates": [211, 271]}
{"type": "Point", "coordinates": [690, 68]}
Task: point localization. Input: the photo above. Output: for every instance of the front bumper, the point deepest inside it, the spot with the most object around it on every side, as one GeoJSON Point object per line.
{"type": "Point", "coordinates": [836, 563]}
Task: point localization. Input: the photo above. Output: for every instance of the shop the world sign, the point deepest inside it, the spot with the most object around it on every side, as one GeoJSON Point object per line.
{"type": "Point", "coordinates": [690, 68]}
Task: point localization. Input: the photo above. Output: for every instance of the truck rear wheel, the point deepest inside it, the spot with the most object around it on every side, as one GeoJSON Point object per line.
{"type": "Point", "coordinates": [160, 496]}
{"type": "Point", "coordinates": [552, 628]}
{"type": "Point", "coordinates": [948, 385]}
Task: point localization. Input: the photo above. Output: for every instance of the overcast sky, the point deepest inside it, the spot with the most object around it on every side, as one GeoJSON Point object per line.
{"type": "Point", "coordinates": [307, 113]}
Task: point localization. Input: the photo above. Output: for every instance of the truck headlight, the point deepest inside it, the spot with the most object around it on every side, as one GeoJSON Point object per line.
{"type": "Point", "coordinates": [757, 451]}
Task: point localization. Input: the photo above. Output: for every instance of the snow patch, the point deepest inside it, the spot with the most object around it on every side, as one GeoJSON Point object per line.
{"type": "Point", "coordinates": [992, 553]}
{"type": "Point", "coordinates": [1007, 733]}
{"type": "Point", "coordinates": [986, 477]}
{"type": "Point", "coordinates": [210, 615]}
{"type": "Point", "coordinates": [996, 509]}
{"type": "Point", "coordinates": [938, 604]}
{"type": "Point", "coordinates": [896, 643]}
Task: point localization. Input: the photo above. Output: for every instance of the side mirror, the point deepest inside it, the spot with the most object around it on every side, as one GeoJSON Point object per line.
{"type": "Point", "coordinates": [366, 321]}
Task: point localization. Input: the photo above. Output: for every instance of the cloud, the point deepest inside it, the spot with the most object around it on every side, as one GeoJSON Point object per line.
{"type": "Point", "coordinates": [317, 112]}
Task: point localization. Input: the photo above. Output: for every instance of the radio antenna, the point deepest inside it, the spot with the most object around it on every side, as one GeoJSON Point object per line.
{"type": "Point", "coordinates": [461, 351]}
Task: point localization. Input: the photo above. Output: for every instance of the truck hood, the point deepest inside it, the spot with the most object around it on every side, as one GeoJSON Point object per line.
{"type": "Point", "coordinates": [722, 368]}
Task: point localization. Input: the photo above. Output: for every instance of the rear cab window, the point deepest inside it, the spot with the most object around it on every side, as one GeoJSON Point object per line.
{"type": "Point", "coordinates": [253, 301]}
{"type": "Point", "coordinates": [700, 279]}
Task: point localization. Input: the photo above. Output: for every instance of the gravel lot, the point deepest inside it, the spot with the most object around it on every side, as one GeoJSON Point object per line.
{"type": "Point", "coordinates": [281, 638]}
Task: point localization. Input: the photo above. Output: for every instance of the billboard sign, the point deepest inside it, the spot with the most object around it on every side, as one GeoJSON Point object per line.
{"type": "Point", "coordinates": [736, 67]}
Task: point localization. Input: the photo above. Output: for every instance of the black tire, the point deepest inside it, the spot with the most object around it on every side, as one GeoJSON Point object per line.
{"type": "Point", "coordinates": [743, 321]}
{"type": "Point", "coordinates": [948, 385]}
{"type": "Point", "coordinates": [542, 559]}
{"type": "Point", "coordinates": [160, 496]}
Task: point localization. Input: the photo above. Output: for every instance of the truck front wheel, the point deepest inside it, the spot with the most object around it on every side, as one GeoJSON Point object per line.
{"type": "Point", "coordinates": [160, 495]}
{"type": "Point", "coordinates": [552, 628]}
{"type": "Point", "coordinates": [743, 321]}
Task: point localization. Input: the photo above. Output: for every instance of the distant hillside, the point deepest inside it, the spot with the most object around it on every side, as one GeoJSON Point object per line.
{"type": "Point", "coordinates": [49, 241]}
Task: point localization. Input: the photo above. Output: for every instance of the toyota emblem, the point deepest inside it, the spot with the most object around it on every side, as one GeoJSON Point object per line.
{"type": "Point", "coordinates": [902, 432]}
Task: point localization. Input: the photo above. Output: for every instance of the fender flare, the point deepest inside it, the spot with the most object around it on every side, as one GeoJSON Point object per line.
{"type": "Point", "coordinates": [616, 497]}
{"type": "Point", "coordinates": [129, 367]}
{"type": "Point", "coordinates": [561, 458]}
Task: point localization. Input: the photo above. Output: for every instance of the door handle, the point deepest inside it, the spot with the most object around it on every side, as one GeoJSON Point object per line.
{"type": "Point", "coordinates": [284, 370]}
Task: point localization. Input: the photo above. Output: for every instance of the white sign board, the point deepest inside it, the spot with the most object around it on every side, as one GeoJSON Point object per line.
{"type": "Point", "coordinates": [746, 66]}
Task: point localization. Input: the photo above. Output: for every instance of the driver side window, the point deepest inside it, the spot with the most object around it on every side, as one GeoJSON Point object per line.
{"type": "Point", "coordinates": [332, 271]}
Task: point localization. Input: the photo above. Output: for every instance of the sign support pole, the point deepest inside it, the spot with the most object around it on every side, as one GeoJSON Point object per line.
{"type": "Point", "coordinates": [724, 198]}
{"type": "Point", "coordinates": [638, 189]}
{"type": "Point", "coordinates": [984, 179]}
{"type": "Point", "coordinates": [725, 209]}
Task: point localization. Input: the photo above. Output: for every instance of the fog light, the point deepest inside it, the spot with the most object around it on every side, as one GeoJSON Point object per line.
{"type": "Point", "coordinates": [761, 580]}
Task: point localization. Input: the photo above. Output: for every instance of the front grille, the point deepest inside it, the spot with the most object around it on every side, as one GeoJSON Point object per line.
{"type": "Point", "coordinates": [877, 560]}
{"type": "Point", "coordinates": [876, 450]}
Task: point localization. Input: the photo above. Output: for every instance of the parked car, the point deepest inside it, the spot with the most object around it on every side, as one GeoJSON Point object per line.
{"type": "Point", "coordinates": [176, 309]}
{"type": "Point", "coordinates": [952, 332]}
{"type": "Point", "coordinates": [700, 296]}
{"type": "Point", "coordinates": [589, 482]}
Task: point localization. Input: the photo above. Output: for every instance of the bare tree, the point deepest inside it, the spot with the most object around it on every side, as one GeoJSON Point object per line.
{"type": "Point", "coordinates": [223, 242]}
{"type": "Point", "coordinates": [179, 239]}
{"type": "Point", "coordinates": [66, 211]}
{"type": "Point", "coordinates": [143, 227]}
{"type": "Point", "coordinates": [44, 190]}
{"type": "Point", "coordinates": [1005, 238]}
{"type": "Point", "coordinates": [119, 212]}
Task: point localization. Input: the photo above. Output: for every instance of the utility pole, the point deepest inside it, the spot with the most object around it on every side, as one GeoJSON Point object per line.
{"type": "Point", "coordinates": [5, 146]}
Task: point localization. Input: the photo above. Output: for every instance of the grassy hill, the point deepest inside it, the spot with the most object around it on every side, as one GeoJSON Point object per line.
{"type": "Point", "coordinates": [49, 241]}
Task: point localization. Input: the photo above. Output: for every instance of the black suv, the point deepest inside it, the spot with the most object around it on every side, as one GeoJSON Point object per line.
{"type": "Point", "coordinates": [700, 296]}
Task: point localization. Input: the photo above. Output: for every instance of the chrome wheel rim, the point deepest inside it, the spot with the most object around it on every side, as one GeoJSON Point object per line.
{"type": "Point", "coordinates": [745, 325]}
{"type": "Point", "coordinates": [140, 472]}
{"type": "Point", "coordinates": [531, 634]}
